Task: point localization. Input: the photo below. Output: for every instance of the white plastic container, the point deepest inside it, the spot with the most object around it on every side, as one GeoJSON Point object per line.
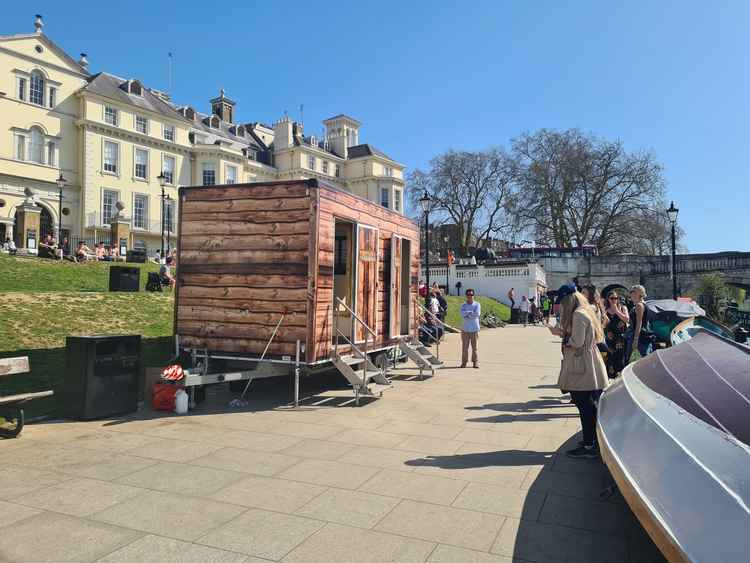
{"type": "Point", "coordinates": [181, 402]}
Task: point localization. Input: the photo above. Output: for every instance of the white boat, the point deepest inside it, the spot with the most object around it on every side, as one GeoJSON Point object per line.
{"type": "Point", "coordinates": [674, 431]}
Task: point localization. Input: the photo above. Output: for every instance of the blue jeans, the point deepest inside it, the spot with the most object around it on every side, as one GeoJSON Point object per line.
{"type": "Point", "coordinates": [644, 346]}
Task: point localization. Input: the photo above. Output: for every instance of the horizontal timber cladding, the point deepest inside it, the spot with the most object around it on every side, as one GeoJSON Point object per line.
{"type": "Point", "coordinates": [249, 253]}
{"type": "Point", "coordinates": [243, 263]}
{"type": "Point", "coordinates": [335, 204]}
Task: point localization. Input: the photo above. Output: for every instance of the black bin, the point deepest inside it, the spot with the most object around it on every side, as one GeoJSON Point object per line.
{"type": "Point", "coordinates": [101, 375]}
{"type": "Point", "coordinates": [124, 278]}
{"type": "Point", "coordinates": [515, 316]}
{"type": "Point", "coordinates": [136, 255]}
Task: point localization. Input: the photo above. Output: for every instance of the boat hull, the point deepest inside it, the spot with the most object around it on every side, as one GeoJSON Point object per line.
{"type": "Point", "coordinates": [687, 480]}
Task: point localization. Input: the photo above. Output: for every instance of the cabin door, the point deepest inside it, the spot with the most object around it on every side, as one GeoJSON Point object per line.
{"type": "Point", "coordinates": [398, 320]}
{"type": "Point", "coordinates": [366, 280]}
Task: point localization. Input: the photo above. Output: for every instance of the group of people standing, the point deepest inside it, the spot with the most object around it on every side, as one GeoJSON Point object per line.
{"type": "Point", "coordinates": [598, 338]}
{"type": "Point", "coordinates": [431, 329]}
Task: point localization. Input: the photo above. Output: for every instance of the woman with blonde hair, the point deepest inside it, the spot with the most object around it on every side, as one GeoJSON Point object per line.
{"type": "Point", "coordinates": [583, 373]}
{"type": "Point", "coordinates": [639, 336]}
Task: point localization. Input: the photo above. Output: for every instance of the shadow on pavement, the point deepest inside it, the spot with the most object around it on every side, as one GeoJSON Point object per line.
{"type": "Point", "coordinates": [537, 410]}
{"type": "Point", "coordinates": [572, 512]}
{"type": "Point", "coordinates": [507, 458]}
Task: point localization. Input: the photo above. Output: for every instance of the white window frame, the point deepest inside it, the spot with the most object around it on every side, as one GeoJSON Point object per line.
{"type": "Point", "coordinates": [51, 153]}
{"type": "Point", "coordinates": [41, 90]}
{"type": "Point", "coordinates": [173, 133]}
{"type": "Point", "coordinates": [324, 166]}
{"type": "Point", "coordinates": [117, 158]}
{"type": "Point", "coordinates": [227, 168]}
{"type": "Point", "coordinates": [137, 195]}
{"type": "Point", "coordinates": [107, 220]}
{"type": "Point", "coordinates": [22, 88]}
{"type": "Point", "coordinates": [388, 171]}
{"type": "Point", "coordinates": [136, 150]}
{"type": "Point", "coordinates": [169, 217]}
{"type": "Point", "coordinates": [398, 200]}
{"type": "Point", "coordinates": [24, 156]}
{"type": "Point", "coordinates": [337, 171]}
{"type": "Point", "coordinates": [387, 201]}
{"type": "Point", "coordinates": [164, 170]}
{"type": "Point", "coordinates": [52, 96]}
{"type": "Point", "coordinates": [32, 147]}
{"type": "Point", "coordinates": [212, 167]}
{"type": "Point", "coordinates": [311, 161]}
{"type": "Point", "coordinates": [115, 115]}
{"type": "Point", "coordinates": [143, 118]}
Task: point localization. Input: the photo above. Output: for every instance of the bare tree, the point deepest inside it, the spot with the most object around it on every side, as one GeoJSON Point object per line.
{"type": "Point", "coordinates": [471, 189]}
{"type": "Point", "coordinates": [577, 190]}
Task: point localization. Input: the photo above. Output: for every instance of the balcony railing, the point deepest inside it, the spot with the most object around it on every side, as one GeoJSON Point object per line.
{"type": "Point", "coordinates": [94, 220]}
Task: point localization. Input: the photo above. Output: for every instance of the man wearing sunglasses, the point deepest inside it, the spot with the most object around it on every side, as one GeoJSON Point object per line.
{"type": "Point", "coordinates": [471, 311]}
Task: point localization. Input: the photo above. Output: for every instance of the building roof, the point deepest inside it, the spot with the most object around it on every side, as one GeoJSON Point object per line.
{"type": "Point", "coordinates": [342, 116]}
{"type": "Point", "coordinates": [108, 86]}
{"type": "Point", "coordinates": [223, 132]}
{"type": "Point", "coordinates": [51, 44]}
{"type": "Point", "coordinates": [358, 151]}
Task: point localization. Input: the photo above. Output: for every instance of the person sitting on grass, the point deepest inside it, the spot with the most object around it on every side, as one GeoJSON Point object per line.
{"type": "Point", "coordinates": [9, 246]}
{"type": "Point", "coordinates": [83, 252]}
{"type": "Point", "coordinates": [165, 273]}
{"type": "Point", "coordinates": [100, 251]}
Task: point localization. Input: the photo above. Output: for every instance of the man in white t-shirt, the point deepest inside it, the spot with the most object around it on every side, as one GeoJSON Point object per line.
{"type": "Point", "coordinates": [524, 310]}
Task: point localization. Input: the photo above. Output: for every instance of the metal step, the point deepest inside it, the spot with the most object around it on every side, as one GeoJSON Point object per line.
{"type": "Point", "coordinates": [426, 353]}
{"type": "Point", "coordinates": [361, 381]}
{"type": "Point", "coordinates": [422, 360]}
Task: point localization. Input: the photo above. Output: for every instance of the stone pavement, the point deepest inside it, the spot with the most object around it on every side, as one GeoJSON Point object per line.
{"type": "Point", "coordinates": [465, 466]}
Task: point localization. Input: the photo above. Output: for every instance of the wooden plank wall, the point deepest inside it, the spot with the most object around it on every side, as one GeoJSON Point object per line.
{"type": "Point", "coordinates": [334, 203]}
{"type": "Point", "coordinates": [243, 260]}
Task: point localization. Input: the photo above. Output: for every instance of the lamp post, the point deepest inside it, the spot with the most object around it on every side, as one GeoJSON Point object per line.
{"type": "Point", "coordinates": [61, 181]}
{"type": "Point", "coordinates": [424, 201]}
{"type": "Point", "coordinates": [447, 266]}
{"type": "Point", "coordinates": [170, 226]}
{"type": "Point", "coordinates": [672, 215]}
{"type": "Point", "coordinates": [162, 181]}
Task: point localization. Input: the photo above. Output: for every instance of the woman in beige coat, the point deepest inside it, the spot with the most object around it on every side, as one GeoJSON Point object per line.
{"type": "Point", "coordinates": [583, 373]}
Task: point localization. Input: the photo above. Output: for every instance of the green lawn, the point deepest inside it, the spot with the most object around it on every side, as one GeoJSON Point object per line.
{"type": "Point", "coordinates": [37, 274]}
{"type": "Point", "coordinates": [44, 301]}
{"type": "Point", "coordinates": [453, 318]}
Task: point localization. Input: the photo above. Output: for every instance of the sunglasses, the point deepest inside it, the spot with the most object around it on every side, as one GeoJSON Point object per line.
{"type": "Point", "coordinates": [614, 298]}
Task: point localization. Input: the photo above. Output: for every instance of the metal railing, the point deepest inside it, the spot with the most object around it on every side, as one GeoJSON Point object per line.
{"type": "Point", "coordinates": [422, 315]}
{"type": "Point", "coordinates": [355, 348]}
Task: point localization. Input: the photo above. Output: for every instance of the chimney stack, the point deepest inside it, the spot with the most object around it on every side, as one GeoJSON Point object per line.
{"type": "Point", "coordinates": [38, 23]}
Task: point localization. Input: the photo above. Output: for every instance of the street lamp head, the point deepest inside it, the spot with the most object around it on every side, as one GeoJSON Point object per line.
{"type": "Point", "coordinates": [424, 201]}
{"type": "Point", "coordinates": [61, 181]}
{"type": "Point", "coordinates": [162, 179]}
{"type": "Point", "coordinates": [672, 213]}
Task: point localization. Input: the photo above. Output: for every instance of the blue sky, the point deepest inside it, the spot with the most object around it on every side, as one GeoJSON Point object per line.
{"type": "Point", "coordinates": [424, 77]}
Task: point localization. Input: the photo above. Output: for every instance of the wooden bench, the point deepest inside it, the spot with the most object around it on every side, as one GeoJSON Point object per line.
{"type": "Point", "coordinates": [10, 405]}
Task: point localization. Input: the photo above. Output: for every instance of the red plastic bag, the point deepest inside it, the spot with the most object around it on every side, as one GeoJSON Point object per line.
{"type": "Point", "coordinates": [164, 396]}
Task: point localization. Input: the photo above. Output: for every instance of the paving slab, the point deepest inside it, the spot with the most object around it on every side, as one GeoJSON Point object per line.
{"type": "Point", "coordinates": [426, 488]}
{"type": "Point", "coordinates": [247, 461]}
{"type": "Point", "coordinates": [452, 554]}
{"type": "Point", "coordinates": [353, 508]}
{"type": "Point", "coordinates": [166, 514]}
{"type": "Point", "coordinates": [56, 538]}
{"type": "Point", "coordinates": [181, 478]}
{"type": "Point", "coordinates": [273, 494]}
{"type": "Point", "coordinates": [442, 524]}
{"type": "Point", "coordinates": [16, 480]}
{"type": "Point", "coordinates": [10, 513]}
{"type": "Point", "coordinates": [269, 535]}
{"type": "Point", "coordinates": [78, 497]}
{"type": "Point", "coordinates": [319, 449]}
{"type": "Point", "coordinates": [343, 544]}
{"type": "Point", "coordinates": [330, 473]}
{"type": "Point", "coordinates": [506, 501]}
{"type": "Point", "coordinates": [156, 549]}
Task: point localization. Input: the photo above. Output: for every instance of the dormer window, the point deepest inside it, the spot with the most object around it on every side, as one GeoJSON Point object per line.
{"type": "Point", "coordinates": [134, 87]}
{"type": "Point", "coordinates": [212, 121]}
{"type": "Point", "coordinates": [240, 131]}
{"type": "Point", "coordinates": [188, 113]}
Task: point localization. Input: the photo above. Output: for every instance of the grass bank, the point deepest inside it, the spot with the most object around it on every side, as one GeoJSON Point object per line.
{"type": "Point", "coordinates": [488, 304]}
{"type": "Point", "coordinates": [44, 301]}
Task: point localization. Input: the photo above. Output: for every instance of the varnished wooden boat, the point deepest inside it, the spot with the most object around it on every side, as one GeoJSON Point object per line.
{"type": "Point", "coordinates": [674, 431]}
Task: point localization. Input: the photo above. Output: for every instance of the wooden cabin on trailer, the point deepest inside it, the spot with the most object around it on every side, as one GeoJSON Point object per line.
{"type": "Point", "coordinates": [278, 269]}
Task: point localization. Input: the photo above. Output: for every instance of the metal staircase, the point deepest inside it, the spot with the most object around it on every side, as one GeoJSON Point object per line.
{"type": "Point", "coordinates": [420, 355]}
{"type": "Point", "coordinates": [355, 365]}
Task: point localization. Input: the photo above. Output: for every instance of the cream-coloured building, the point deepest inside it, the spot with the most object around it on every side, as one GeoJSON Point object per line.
{"type": "Point", "coordinates": [113, 139]}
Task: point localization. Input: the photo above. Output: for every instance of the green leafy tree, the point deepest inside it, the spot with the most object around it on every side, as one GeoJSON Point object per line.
{"type": "Point", "coordinates": [710, 291]}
